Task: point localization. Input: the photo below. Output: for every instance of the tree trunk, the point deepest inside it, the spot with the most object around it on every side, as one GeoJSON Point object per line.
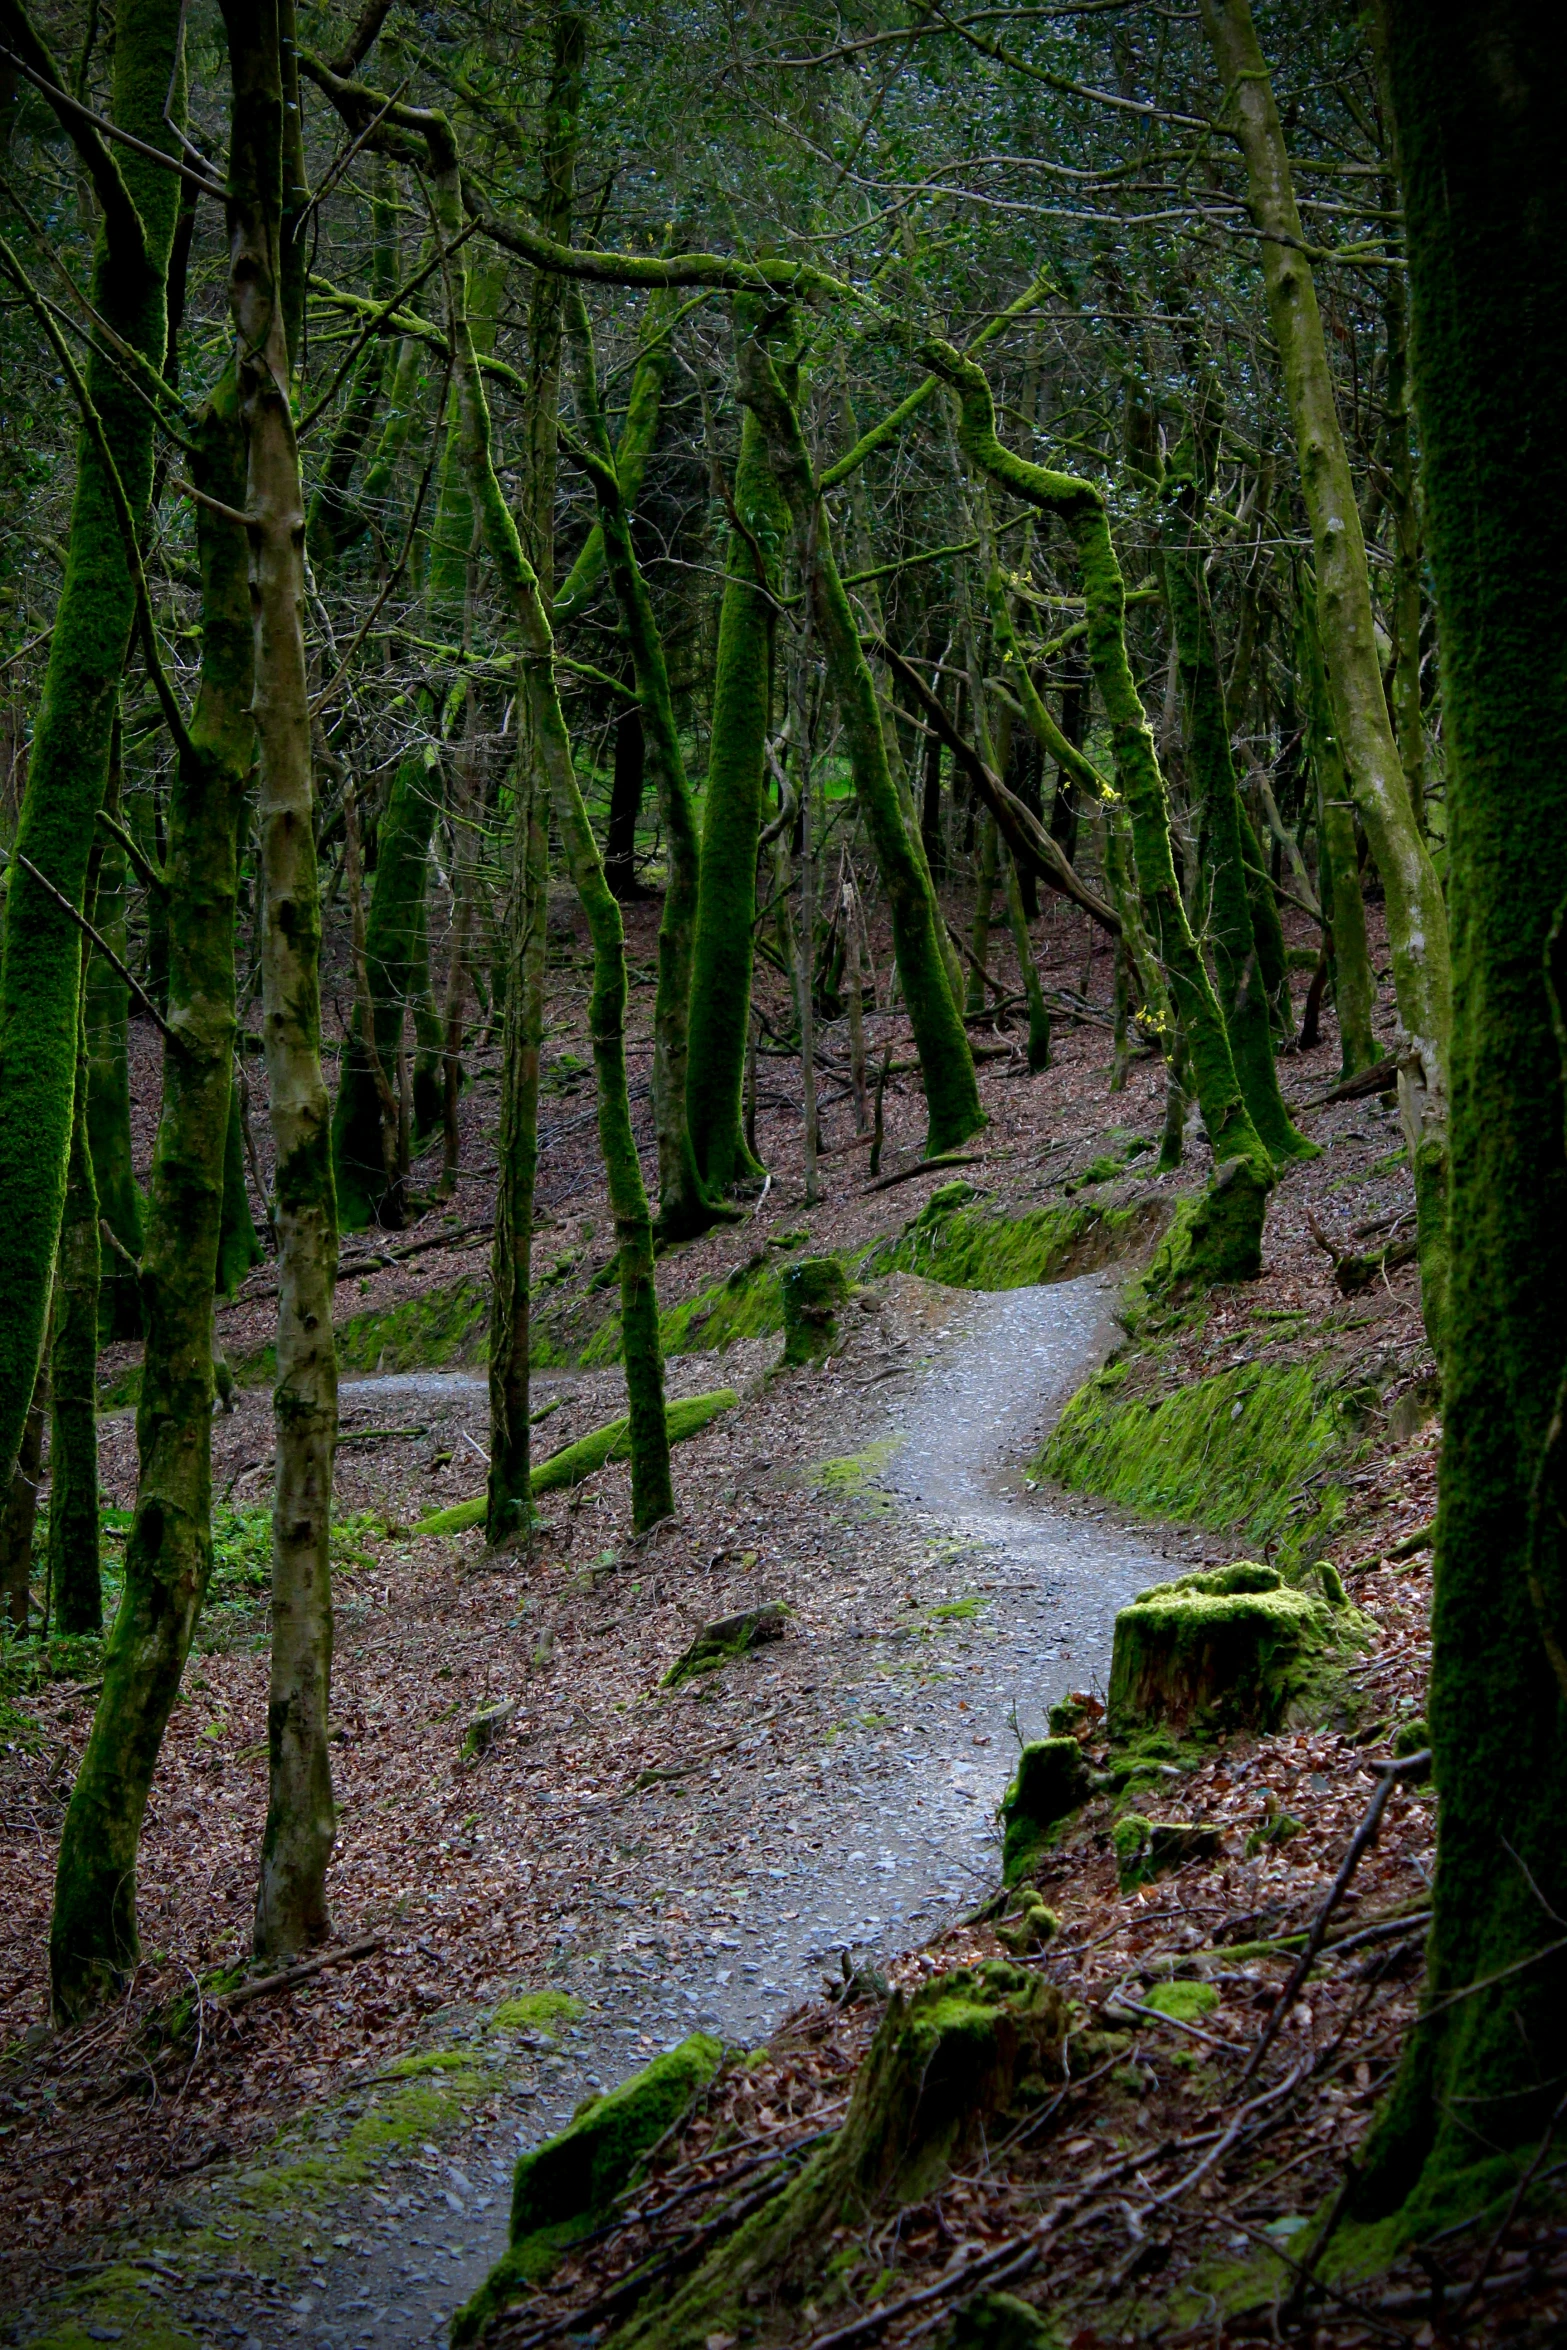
{"type": "Point", "coordinates": [1416, 913]}
{"type": "Point", "coordinates": [74, 1571]}
{"type": "Point", "coordinates": [168, 1552]}
{"type": "Point", "coordinates": [625, 806]}
{"type": "Point", "coordinates": [951, 1091]}
{"type": "Point", "coordinates": [120, 1201]}
{"type": "Point", "coordinates": [20, 1516]}
{"type": "Point", "coordinates": [732, 824]}
{"type": "Point", "coordinates": [1232, 1137]}
{"type": "Point", "coordinates": [291, 1905]}
{"type": "Point", "coordinates": [1226, 833]}
{"type": "Point", "coordinates": [40, 1004]}
{"type": "Point", "coordinates": [1338, 879]}
{"type": "Point", "coordinates": [1476, 84]}
{"type": "Point", "coordinates": [984, 901]}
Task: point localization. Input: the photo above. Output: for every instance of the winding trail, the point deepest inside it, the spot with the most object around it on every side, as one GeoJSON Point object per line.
{"type": "Point", "coordinates": [900, 1834]}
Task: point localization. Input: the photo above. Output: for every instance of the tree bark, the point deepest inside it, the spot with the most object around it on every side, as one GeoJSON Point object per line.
{"type": "Point", "coordinates": [69, 759]}
{"type": "Point", "coordinates": [75, 1577]}
{"type": "Point", "coordinates": [1476, 84]}
{"type": "Point", "coordinates": [1416, 913]}
{"type": "Point", "coordinates": [291, 1904]}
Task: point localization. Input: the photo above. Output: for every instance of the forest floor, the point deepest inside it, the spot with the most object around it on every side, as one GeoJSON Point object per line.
{"type": "Point", "coordinates": [327, 2162]}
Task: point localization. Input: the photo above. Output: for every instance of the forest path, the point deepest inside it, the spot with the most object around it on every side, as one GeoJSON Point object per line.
{"type": "Point", "coordinates": [898, 1835]}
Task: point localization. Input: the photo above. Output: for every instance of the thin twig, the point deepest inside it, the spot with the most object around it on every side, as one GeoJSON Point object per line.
{"type": "Point", "coordinates": [170, 1036]}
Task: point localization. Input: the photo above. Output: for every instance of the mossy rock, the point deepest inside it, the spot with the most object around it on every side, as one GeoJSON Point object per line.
{"type": "Point", "coordinates": [1051, 1782]}
{"type": "Point", "coordinates": [1230, 1649]}
{"type": "Point", "coordinates": [1146, 1849]}
{"type": "Point", "coordinates": [976, 2043]}
{"type": "Point", "coordinates": [730, 1636]}
{"type": "Point", "coordinates": [1032, 1925]}
{"type": "Point", "coordinates": [998, 2321]}
{"type": "Point", "coordinates": [814, 1290]}
{"type": "Point", "coordinates": [562, 2189]}
{"type": "Point", "coordinates": [1252, 1452]}
{"type": "Point", "coordinates": [573, 1462]}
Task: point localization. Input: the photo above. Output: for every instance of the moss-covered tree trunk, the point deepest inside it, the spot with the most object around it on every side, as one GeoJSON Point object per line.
{"type": "Point", "coordinates": [19, 1515]}
{"type": "Point", "coordinates": [951, 1090]}
{"type": "Point", "coordinates": [1231, 1238]}
{"type": "Point", "coordinates": [1477, 90]}
{"type": "Point", "coordinates": [508, 1488]}
{"type": "Point", "coordinates": [168, 1551]}
{"type": "Point", "coordinates": [336, 520]}
{"type": "Point", "coordinates": [291, 1905]}
{"type": "Point", "coordinates": [652, 1496]}
{"type": "Point", "coordinates": [69, 759]}
{"type": "Point", "coordinates": [75, 1577]}
{"type": "Point", "coordinates": [684, 1208]}
{"type": "Point", "coordinates": [1416, 912]}
{"type": "Point", "coordinates": [732, 824]}
{"type": "Point", "coordinates": [1226, 834]}
{"type": "Point", "coordinates": [120, 1201]}
{"type": "Point", "coordinates": [1338, 881]}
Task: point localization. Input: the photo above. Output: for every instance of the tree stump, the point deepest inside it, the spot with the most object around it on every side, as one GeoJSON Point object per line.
{"type": "Point", "coordinates": [1225, 1650]}
{"type": "Point", "coordinates": [1051, 1782]}
{"type": "Point", "coordinates": [813, 1291]}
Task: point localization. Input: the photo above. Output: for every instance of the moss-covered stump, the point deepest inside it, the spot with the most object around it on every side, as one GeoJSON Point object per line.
{"type": "Point", "coordinates": [1231, 1649]}
{"type": "Point", "coordinates": [1051, 1782]}
{"type": "Point", "coordinates": [979, 2042]}
{"type": "Point", "coordinates": [813, 1291]}
{"type": "Point", "coordinates": [1146, 1849]}
{"type": "Point", "coordinates": [1215, 1237]}
{"type": "Point", "coordinates": [562, 2190]}
{"type": "Point", "coordinates": [1032, 1924]}
{"type": "Point", "coordinates": [998, 2321]}
{"type": "Point", "coordinates": [728, 1637]}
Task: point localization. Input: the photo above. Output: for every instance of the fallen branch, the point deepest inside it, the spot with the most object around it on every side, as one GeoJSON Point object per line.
{"type": "Point", "coordinates": [244, 1993]}
{"type": "Point", "coordinates": [928, 1167]}
{"type": "Point", "coordinates": [1377, 1079]}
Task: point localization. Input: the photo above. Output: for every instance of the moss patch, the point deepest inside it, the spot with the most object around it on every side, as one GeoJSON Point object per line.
{"type": "Point", "coordinates": [1250, 1452]}
{"type": "Point", "coordinates": [1051, 1782]}
{"type": "Point", "coordinates": [536, 2011]}
{"type": "Point", "coordinates": [1184, 2003]}
{"type": "Point", "coordinates": [1235, 1648]}
{"type": "Point", "coordinates": [978, 1247]}
{"type": "Point", "coordinates": [856, 1476]}
{"type": "Point", "coordinates": [562, 2188]}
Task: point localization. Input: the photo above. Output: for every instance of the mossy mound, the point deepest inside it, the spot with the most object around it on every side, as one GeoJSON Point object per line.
{"type": "Point", "coordinates": [1051, 1782]}
{"type": "Point", "coordinates": [813, 1291]}
{"type": "Point", "coordinates": [1183, 2003]}
{"type": "Point", "coordinates": [981, 1247]}
{"type": "Point", "coordinates": [1212, 1238]}
{"type": "Point", "coordinates": [1248, 1452]}
{"type": "Point", "coordinates": [563, 2188]}
{"type": "Point", "coordinates": [573, 1462]}
{"type": "Point", "coordinates": [1146, 1849]}
{"type": "Point", "coordinates": [731, 1636]}
{"type": "Point", "coordinates": [979, 2042]}
{"type": "Point", "coordinates": [998, 2321]}
{"type": "Point", "coordinates": [1233, 1649]}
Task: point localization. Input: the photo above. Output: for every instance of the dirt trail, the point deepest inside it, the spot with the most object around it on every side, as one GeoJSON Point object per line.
{"type": "Point", "coordinates": [905, 1823]}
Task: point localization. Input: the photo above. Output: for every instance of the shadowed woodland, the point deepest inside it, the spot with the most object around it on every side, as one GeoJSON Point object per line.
{"type": "Point", "coordinates": [623, 636]}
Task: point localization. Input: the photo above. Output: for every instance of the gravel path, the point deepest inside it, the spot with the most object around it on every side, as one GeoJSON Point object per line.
{"type": "Point", "coordinates": [905, 1822]}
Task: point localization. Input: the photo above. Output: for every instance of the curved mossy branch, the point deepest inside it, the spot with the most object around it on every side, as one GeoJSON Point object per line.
{"type": "Point", "coordinates": [684, 1207]}
{"type": "Point", "coordinates": [652, 1496]}
{"type": "Point", "coordinates": [732, 825]}
{"type": "Point", "coordinates": [1226, 834]}
{"type": "Point", "coordinates": [1231, 1133]}
{"type": "Point", "coordinates": [168, 1550]}
{"type": "Point", "coordinates": [69, 758]}
{"type": "Point", "coordinates": [951, 1088]}
{"type": "Point", "coordinates": [74, 1571]}
{"type": "Point", "coordinates": [638, 432]}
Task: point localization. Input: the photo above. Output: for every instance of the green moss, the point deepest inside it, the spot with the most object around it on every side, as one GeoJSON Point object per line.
{"type": "Point", "coordinates": [561, 2189]}
{"type": "Point", "coordinates": [982, 1248]}
{"type": "Point", "coordinates": [1186, 2003]}
{"type": "Point", "coordinates": [1252, 1452]}
{"type": "Point", "coordinates": [856, 1476]}
{"type": "Point", "coordinates": [998, 2321]}
{"type": "Point", "coordinates": [538, 2011]}
{"type": "Point", "coordinates": [731, 1636]}
{"type": "Point", "coordinates": [813, 1290]}
{"type": "Point", "coordinates": [1146, 1849]}
{"type": "Point", "coordinates": [1051, 1782]}
{"type": "Point", "coordinates": [576, 1461]}
{"type": "Point", "coordinates": [1232, 1649]}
